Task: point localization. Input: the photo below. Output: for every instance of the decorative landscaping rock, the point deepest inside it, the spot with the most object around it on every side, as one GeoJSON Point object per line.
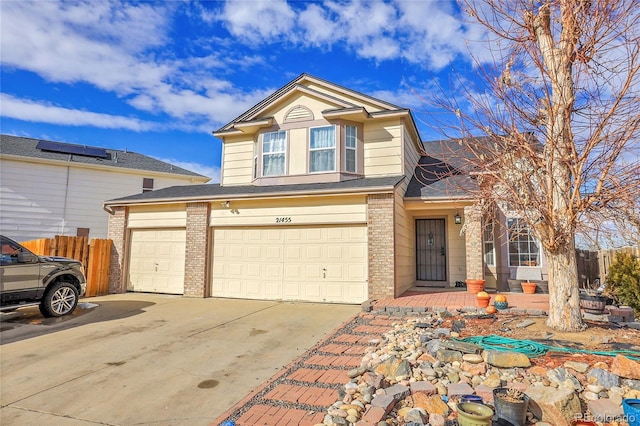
{"type": "Point", "coordinates": [625, 367]}
{"type": "Point", "coordinates": [554, 405]}
{"type": "Point", "coordinates": [417, 374]}
{"type": "Point", "coordinates": [506, 359]}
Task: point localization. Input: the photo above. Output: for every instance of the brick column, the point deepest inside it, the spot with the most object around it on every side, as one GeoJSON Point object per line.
{"type": "Point", "coordinates": [197, 252]}
{"type": "Point", "coordinates": [473, 242]}
{"type": "Point", "coordinates": [118, 234]}
{"type": "Point", "coordinates": [381, 237]}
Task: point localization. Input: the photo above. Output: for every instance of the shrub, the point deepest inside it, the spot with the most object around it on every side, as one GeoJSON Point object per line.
{"type": "Point", "coordinates": [623, 281]}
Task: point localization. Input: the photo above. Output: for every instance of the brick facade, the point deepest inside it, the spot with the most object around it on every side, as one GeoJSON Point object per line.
{"type": "Point", "coordinates": [381, 245]}
{"type": "Point", "coordinates": [473, 242]}
{"type": "Point", "coordinates": [118, 234]}
{"type": "Point", "coordinates": [197, 251]}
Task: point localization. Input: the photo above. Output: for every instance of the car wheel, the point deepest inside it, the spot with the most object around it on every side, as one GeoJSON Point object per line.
{"type": "Point", "coordinates": [61, 299]}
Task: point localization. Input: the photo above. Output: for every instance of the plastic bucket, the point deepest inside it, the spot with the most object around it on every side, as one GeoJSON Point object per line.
{"type": "Point", "coordinates": [631, 408]}
{"type": "Point", "coordinates": [515, 412]}
{"type": "Point", "coordinates": [474, 414]}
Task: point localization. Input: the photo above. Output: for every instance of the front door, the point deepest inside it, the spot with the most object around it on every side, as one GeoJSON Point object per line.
{"type": "Point", "coordinates": [431, 250]}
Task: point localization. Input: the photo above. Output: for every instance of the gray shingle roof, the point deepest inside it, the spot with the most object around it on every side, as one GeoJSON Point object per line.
{"type": "Point", "coordinates": [204, 192]}
{"type": "Point", "coordinates": [26, 147]}
{"type": "Point", "coordinates": [437, 179]}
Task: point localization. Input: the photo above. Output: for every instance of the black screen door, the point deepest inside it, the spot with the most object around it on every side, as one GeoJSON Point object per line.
{"type": "Point", "coordinates": [431, 251]}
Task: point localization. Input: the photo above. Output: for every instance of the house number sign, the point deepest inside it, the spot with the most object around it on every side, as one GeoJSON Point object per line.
{"type": "Point", "coordinates": [286, 219]}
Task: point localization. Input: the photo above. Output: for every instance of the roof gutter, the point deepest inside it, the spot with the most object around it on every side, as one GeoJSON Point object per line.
{"type": "Point", "coordinates": [249, 197]}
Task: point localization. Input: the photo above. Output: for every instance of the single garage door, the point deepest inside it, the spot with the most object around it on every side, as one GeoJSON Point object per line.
{"type": "Point", "coordinates": [156, 261]}
{"type": "Point", "coordinates": [318, 264]}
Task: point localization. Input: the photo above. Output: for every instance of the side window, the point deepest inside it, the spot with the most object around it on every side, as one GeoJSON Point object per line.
{"type": "Point", "coordinates": [147, 184]}
{"type": "Point", "coordinates": [9, 253]}
{"type": "Point", "coordinates": [350, 134]}
{"type": "Point", "coordinates": [524, 249]}
{"type": "Point", "coordinates": [274, 150]}
{"type": "Point", "coordinates": [322, 149]}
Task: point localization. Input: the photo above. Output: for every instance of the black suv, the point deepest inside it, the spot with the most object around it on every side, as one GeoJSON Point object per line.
{"type": "Point", "coordinates": [55, 283]}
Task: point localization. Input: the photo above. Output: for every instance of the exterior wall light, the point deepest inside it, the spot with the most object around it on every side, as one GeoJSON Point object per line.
{"type": "Point", "coordinates": [457, 219]}
{"type": "Point", "coordinates": [226, 204]}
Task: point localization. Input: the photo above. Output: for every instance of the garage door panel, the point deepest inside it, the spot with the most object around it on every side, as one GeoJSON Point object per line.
{"type": "Point", "coordinates": [156, 261]}
{"type": "Point", "coordinates": [292, 263]}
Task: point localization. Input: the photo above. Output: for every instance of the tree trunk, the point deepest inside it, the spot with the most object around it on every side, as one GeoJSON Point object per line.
{"type": "Point", "coordinates": [564, 296]}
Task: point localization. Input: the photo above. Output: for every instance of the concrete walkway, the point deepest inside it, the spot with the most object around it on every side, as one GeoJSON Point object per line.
{"type": "Point", "coordinates": [303, 390]}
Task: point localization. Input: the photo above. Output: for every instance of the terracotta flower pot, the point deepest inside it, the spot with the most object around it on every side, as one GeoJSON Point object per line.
{"type": "Point", "coordinates": [475, 286]}
{"type": "Point", "coordinates": [483, 302]}
{"type": "Point", "coordinates": [529, 288]}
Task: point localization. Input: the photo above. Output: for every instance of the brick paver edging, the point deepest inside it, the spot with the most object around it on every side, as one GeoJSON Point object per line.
{"type": "Point", "coordinates": [259, 399]}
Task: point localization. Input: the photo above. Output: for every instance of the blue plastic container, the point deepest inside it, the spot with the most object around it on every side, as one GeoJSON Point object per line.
{"type": "Point", "coordinates": [471, 398]}
{"type": "Point", "coordinates": [631, 408]}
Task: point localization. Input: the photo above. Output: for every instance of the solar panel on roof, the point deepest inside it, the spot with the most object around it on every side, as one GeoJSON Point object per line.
{"type": "Point", "coordinates": [67, 148]}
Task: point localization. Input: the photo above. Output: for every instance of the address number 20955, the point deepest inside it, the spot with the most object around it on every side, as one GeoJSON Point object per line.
{"type": "Point", "coordinates": [283, 219]}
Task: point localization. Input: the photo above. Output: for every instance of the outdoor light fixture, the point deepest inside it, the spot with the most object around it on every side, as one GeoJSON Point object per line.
{"type": "Point", "coordinates": [226, 204]}
{"type": "Point", "coordinates": [457, 219]}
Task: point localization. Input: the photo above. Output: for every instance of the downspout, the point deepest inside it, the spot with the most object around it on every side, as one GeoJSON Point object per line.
{"type": "Point", "coordinates": [66, 200]}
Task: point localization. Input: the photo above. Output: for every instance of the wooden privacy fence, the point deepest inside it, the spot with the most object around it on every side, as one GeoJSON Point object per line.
{"type": "Point", "coordinates": [588, 270]}
{"type": "Point", "coordinates": [607, 257]}
{"type": "Point", "coordinates": [95, 255]}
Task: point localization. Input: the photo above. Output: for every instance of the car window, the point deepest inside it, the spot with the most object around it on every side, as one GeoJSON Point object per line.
{"type": "Point", "coordinates": [10, 252]}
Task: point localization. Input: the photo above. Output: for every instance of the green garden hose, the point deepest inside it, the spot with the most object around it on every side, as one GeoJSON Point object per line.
{"type": "Point", "coordinates": [534, 349]}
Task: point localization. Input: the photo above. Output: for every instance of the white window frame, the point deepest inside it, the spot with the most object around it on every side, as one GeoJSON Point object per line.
{"type": "Point", "coordinates": [312, 150]}
{"type": "Point", "coordinates": [524, 236]}
{"type": "Point", "coordinates": [353, 149]}
{"type": "Point", "coordinates": [489, 243]}
{"type": "Point", "coordinates": [273, 153]}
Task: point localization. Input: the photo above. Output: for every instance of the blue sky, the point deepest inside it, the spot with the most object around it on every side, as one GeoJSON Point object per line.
{"type": "Point", "coordinates": [158, 77]}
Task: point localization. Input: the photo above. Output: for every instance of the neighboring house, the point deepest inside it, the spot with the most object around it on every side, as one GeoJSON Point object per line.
{"type": "Point", "coordinates": [326, 195]}
{"type": "Point", "coordinates": [53, 188]}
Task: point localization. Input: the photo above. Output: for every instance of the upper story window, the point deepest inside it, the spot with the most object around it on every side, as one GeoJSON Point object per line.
{"type": "Point", "coordinates": [274, 149]}
{"type": "Point", "coordinates": [350, 135]}
{"type": "Point", "coordinates": [147, 184]}
{"type": "Point", "coordinates": [322, 149]}
{"type": "Point", "coordinates": [524, 249]}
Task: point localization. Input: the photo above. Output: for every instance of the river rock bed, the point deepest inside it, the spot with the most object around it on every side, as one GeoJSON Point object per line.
{"type": "Point", "coordinates": [418, 372]}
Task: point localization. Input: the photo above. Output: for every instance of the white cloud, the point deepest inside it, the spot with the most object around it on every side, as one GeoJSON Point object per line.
{"type": "Point", "coordinates": [203, 169]}
{"type": "Point", "coordinates": [113, 46]}
{"type": "Point", "coordinates": [258, 20]}
{"type": "Point", "coordinates": [29, 110]}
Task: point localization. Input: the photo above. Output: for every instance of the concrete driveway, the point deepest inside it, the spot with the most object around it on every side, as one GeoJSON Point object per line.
{"type": "Point", "coordinates": [150, 359]}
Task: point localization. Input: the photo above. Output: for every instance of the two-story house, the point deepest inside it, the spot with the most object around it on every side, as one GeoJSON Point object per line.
{"type": "Point", "coordinates": [326, 195]}
{"type": "Point", "coordinates": [50, 188]}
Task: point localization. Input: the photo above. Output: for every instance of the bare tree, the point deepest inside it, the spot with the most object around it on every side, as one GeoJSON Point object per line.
{"type": "Point", "coordinates": [559, 115]}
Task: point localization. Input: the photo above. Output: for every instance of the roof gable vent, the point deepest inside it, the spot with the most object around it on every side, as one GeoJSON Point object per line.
{"type": "Point", "coordinates": [298, 113]}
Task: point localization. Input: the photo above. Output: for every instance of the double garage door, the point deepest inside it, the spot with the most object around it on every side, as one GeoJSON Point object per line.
{"type": "Point", "coordinates": [318, 264]}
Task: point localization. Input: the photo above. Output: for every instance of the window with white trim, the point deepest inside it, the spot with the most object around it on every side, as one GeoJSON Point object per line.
{"type": "Point", "coordinates": [489, 244]}
{"type": "Point", "coordinates": [350, 138]}
{"type": "Point", "coordinates": [524, 249]}
{"type": "Point", "coordinates": [255, 159]}
{"type": "Point", "coordinates": [274, 150]}
{"type": "Point", "coordinates": [322, 149]}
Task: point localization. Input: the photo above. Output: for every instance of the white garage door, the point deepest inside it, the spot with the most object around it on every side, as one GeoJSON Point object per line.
{"type": "Point", "coordinates": [318, 264]}
{"type": "Point", "coordinates": [156, 261]}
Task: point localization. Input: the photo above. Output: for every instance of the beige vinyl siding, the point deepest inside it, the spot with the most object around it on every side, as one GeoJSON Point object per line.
{"type": "Point", "coordinates": [325, 210]}
{"type": "Point", "coordinates": [298, 151]}
{"type": "Point", "coordinates": [405, 247]}
{"type": "Point", "coordinates": [383, 150]}
{"type": "Point", "coordinates": [238, 162]}
{"type": "Point", "coordinates": [411, 154]}
{"type": "Point", "coordinates": [345, 96]}
{"type": "Point", "coordinates": [39, 200]}
{"type": "Point", "coordinates": [166, 216]}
